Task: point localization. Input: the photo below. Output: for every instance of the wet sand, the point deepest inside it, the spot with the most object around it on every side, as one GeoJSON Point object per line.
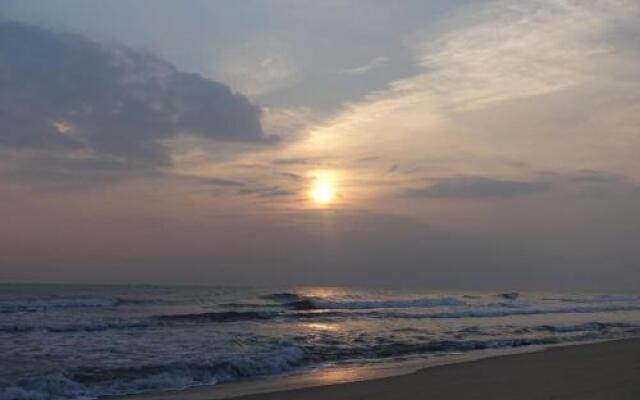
{"type": "Point", "coordinates": [606, 371]}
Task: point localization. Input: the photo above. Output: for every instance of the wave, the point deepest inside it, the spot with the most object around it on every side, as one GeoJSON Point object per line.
{"type": "Point", "coordinates": [491, 311]}
{"type": "Point", "coordinates": [383, 348]}
{"type": "Point", "coordinates": [172, 320]}
{"type": "Point", "coordinates": [98, 382]}
{"type": "Point", "coordinates": [176, 320]}
{"type": "Point", "coordinates": [322, 304]}
{"type": "Point", "coordinates": [281, 297]}
{"type": "Point", "coordinates": [167, 321]}
{"type": "Point", "coordinates": [247, 305]}
{"type": "Point", "coordinates": [223, 316]}
{"type": "Point", "coordinates": [88, 326]}
{"type": "Point", "coordinates": [469, 312]}
{"type": "Point", "coordinates": [586, 327]}
{"type": "Point", "coordinates": [607, 298]}
{"type": "Point", "coordinates": [509, 295]}
{"type": "Point", "coordinates": [38, 305]}
{"type": "Point", "coordinates": [124, 301]}
{"type": "Point", "coordinates": [283, 357]}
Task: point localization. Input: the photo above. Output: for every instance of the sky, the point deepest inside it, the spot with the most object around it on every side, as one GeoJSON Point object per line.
{"type": "Point", "coordinates": [442, 144]}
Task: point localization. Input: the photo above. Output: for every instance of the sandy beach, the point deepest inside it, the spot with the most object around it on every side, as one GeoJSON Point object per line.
{"type": "Point", "coordinates": [607, 371]}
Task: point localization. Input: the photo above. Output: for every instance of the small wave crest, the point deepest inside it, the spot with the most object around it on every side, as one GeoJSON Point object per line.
{"type": "Point", "coordinates": [323, 304]}
{"type": "Point", "coordinates": [607, 298]}
{"type": "Point", "coordinates": [82, 326]}
{"type": "Point", "coordinates": [586, 327]}
{"type": "Point", "coordinates": [502, 311]}
{"type": "Point", "coordinates": [509, 295]}
{"type": "Point", "coordinates": [281, 297]}
{"type": "Point", "coordinates": [223, 316]}
{"type": "Point", "coordinates": [38, 305]}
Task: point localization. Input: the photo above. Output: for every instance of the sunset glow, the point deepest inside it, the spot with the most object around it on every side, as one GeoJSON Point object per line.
{"type": "Point", "coordinates": [303, 193]}
{"type": "Point", "coordinates": [235, 145]}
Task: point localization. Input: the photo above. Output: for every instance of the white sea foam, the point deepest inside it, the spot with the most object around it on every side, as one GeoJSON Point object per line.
{"type": "Point", "coordinates": [152, 378]}
{"type": "Point", "coordinates": [104, 382]}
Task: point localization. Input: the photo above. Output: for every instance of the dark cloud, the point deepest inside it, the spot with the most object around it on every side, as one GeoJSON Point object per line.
{"type": "Point", "coordinates": [276, 192]}
{"type": "Point", "coordinates": [220, 182]}
{"type": "Point", "coordinates": [266, 191]}
{"type": "Point", "coordinates": [370, 158]}
{"type": "Point", "coordinates": [291, 161]}
{"type": "Point", "coordinates": [469, 187]}
{"type": "Point", "coordinates": [57, 168]}
{"type": "Point", "coordinates": [63, 91]}
{"type": "Point", "coordinates": [292, 176]}
{"type": "Point", "coordinates": [603, 184]}
{"type": "Point", "coordinates": [598, 177]}
{"type": "Point", "coordinates": [299, 161]}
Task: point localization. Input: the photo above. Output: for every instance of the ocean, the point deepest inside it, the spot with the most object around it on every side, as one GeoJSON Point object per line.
{"type": "Point", "coordinates": [79, 342]}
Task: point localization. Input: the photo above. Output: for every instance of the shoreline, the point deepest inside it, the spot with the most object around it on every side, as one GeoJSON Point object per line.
{"type": "Point", "coordinates": [346, 379]}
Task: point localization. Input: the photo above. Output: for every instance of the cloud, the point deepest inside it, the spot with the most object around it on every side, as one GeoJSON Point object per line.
{"type": "Point", "coordinates": [468, 187]}
{"type": "Point", "coordinates": [603, 184]}
{"type": "Point", "coordinates": [537, 84]}
{"type": "Point", "coordinates": [589, 176]}
{"type": "Point", "coordinates": [64, 92]}
{"type": "Point", "coordinates": [511, 50]}
{"type": "Point", "coordinates": [584, 184]}
{"type": "Point", "coordinates": [369, 158]}
{"type": "Point", "coordinates": [259, 67]}
{"type": "Point", "coordinates": [298, 161]}
{"type": "Point", "coordinates": [56, 168]}
{"type": "Point", "coordinates": [220, 182]}
{"type": "Point", "coordinates": [266, 191]}
{"type": "Point", "coordinates": [288, 121]}
{"type": "Point", "coordinates": [292, 176]}
{"type": "Point", "coordinates": [371, 65]}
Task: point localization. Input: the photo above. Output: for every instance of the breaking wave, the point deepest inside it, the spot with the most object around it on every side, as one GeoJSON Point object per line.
{"type": "Point", "coordinates": [96, 382]}
{"type": "Point", "coordinates": [281, 297]}
{"type": "Point", "coordinates": [79, 343]}
{"type": "Point", "coordinates": [93, 382]}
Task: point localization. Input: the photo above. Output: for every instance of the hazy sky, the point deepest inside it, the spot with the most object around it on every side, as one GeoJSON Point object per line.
{"type": "Point", "coordinates": [441, 143]}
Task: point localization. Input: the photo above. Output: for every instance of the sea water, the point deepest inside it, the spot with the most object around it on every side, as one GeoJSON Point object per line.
{"type": "Point", "coordinates": [71, 342]}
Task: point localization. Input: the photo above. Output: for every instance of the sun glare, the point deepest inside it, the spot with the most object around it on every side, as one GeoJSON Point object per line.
{"type": "Point", "coordinates": [323, 193]}
{"type": "Point", "coordinates": [324, 187]}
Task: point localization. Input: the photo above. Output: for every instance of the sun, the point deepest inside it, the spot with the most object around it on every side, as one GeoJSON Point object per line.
{"type": "Point", "coordinates": [322, 192]}
{"type": "Point", "coordinates": [324, 187]}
